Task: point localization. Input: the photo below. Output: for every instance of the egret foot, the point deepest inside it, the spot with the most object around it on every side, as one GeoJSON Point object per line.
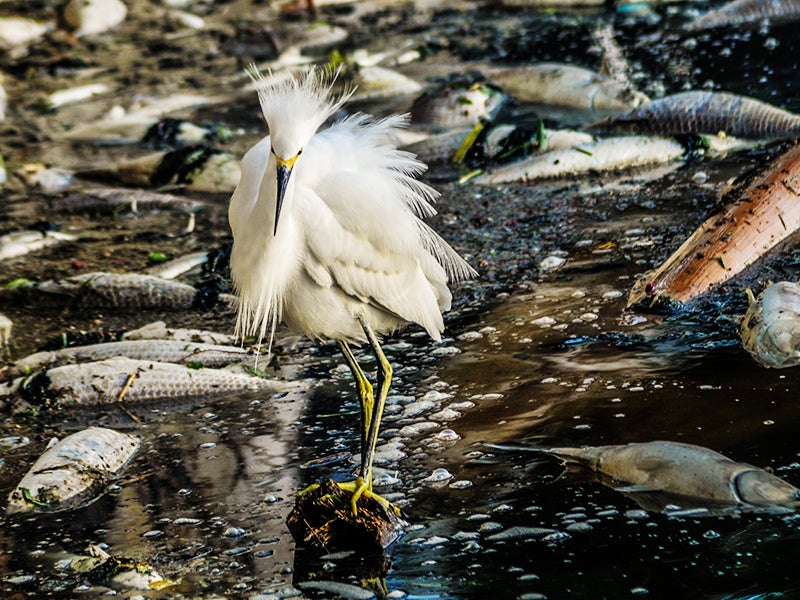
{"type": "Point", "coordinates": [360, 489]}
{"type": "Point", "coordinates": [324, 517]}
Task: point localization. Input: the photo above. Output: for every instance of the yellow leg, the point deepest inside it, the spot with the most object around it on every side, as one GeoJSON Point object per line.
{"type": "Point", "coordinates": [366, 397]}
{"type": "Point", "coordinates": [384, 381]}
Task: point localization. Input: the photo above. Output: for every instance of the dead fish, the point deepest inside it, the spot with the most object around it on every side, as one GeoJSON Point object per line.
{"type": "Point", "coordinates": [174, 268]}
{"type": "Point", "coordinates": [20, 243]}
{"type": "Point", "coordinates": [565, 85]}
{"type": "Point", "coordinates": [698, 112]}
{"type": "Point", "coordinates": [158, 330]}
{"type": "Point", "coordinates": [75, 94]}
{"type": "Point", "coordinates": [770, 330]}
{"type": "Point", "coordinates": [448, 106]}
{"type": "Point", "coordinates": [18, 33]}
{"type": "Point", "coordinates": [90, 17]}
{"type": "Point", "coordinates": [496, 141]}
{"type": "Point", "coordinates": [73, 472]}
{"type": "Point", "coordinates": [114, 200]}
{"type": "Point", "coordinates": [683, 470]}
{"type": "Point", "coordinates": [170, 351]}
{"type": "Point", "coordinates": [603, 155]}
{"type": "Point", "coordinates": [199, 168]}
{"type": "Point", "coordinates": [106, 290]}
{"type": "Point", "coordinates": [745, 12]}
{"type": "Point", "coordinates": [379, 83]}
{"type": "Point", "coordinates": [114, 379]}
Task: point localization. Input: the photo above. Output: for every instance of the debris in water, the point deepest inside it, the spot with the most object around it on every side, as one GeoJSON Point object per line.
{"type": "Point", "coordinates": [73, 472]}
{"type": "Point", "coordinates": [760, 212]}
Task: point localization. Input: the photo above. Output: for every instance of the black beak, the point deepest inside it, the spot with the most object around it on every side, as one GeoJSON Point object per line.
{"type": "Point", "coordinates": [284, 173]}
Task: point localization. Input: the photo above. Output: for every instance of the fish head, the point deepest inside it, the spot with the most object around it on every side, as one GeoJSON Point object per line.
{"type": "Point", "coordinates": [759, 488]}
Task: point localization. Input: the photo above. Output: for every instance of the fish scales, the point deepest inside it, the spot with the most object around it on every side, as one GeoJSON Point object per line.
{"type": "Point", "coordinates": [107, 381]}
{"type": "Point", "coordinates": [170, 351]}
{"type": "Point", "coordinates": [740, 12]}
{"type": "Point", "coordinates": [770, 330]}
{"type": "Point", "coordinates": [698, 112]}
{"type": "Point", "coordinates": [106, 290]}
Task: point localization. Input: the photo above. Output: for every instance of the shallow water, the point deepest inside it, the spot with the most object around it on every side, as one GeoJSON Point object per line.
{"type": "Point", "coordinates": [532, 358]}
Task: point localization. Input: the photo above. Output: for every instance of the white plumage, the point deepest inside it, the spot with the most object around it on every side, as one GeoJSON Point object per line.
{"type": "Point", "coordinates": [329, 238]}
{"type": "Point", "coordinates": [350, 240]}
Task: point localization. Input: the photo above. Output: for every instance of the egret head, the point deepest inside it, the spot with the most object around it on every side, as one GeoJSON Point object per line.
{"type": "Point", "coordinates": [294, 109]}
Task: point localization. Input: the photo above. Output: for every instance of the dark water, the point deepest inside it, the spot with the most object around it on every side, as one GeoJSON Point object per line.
{"type": "Point", "coordinates": [206, 497]}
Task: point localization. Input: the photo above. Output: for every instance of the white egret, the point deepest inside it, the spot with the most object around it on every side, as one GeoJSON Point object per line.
{"type": "Point", "coordinates": [329, 238]}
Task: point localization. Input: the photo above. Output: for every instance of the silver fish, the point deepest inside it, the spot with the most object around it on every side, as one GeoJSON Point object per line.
{"type": "Point", "coordinates": [698, 112]}
{"type": "Point", "coordinates": [743, 12]}
{"type": "Point", "coordinates": [684, 470]}
{"type": "Point", "coordinates": [566, 85]}
{"type": "Point", "coordinates": [114, 200]}
{"type": "Point", "coordinates": [73, 472]}
{"type": "Point", "coordinates": [604, 155]}
{"type": "Point", "coordinates": [174, 268]}
{"type": "Point", "coordinates": [448, 107]}
{"type": "Point", "coordinates": [19, 243]}
{"type": "Point", "coordinates": [170, 351]}
{"type": "Point", "coordinates": [158, 330]}
{"type": "Point", "coordinates": [107, 381]}
{"type": "Point", "coordinates": [770, 330]}
{"type": "Point", "coordinates": [107, 290]}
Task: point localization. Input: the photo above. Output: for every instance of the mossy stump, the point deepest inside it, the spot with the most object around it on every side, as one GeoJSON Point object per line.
{"type": "Point", "coordinates": [323, 519]}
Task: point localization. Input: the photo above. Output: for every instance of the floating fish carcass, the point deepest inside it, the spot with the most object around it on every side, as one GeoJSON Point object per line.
{"type": "Point", "coordinates": [105, 290]}
{"type": "Point", "coordinates": [170, 351]}
{"type": "Point", "coordinates": [73, 472]}
{"type": "Point", "coordinates": [685, 470]}
{"type": "Point", "coordinates": [770, 330]}
{"type": "Point", "coordinates": [565, 85]}
{"type": "Point", "coordinates": [747, 12]}
{"type": "Point", "coordinates": [699, 112]}
{"type": "Point", "coordinates": [115, 379]}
